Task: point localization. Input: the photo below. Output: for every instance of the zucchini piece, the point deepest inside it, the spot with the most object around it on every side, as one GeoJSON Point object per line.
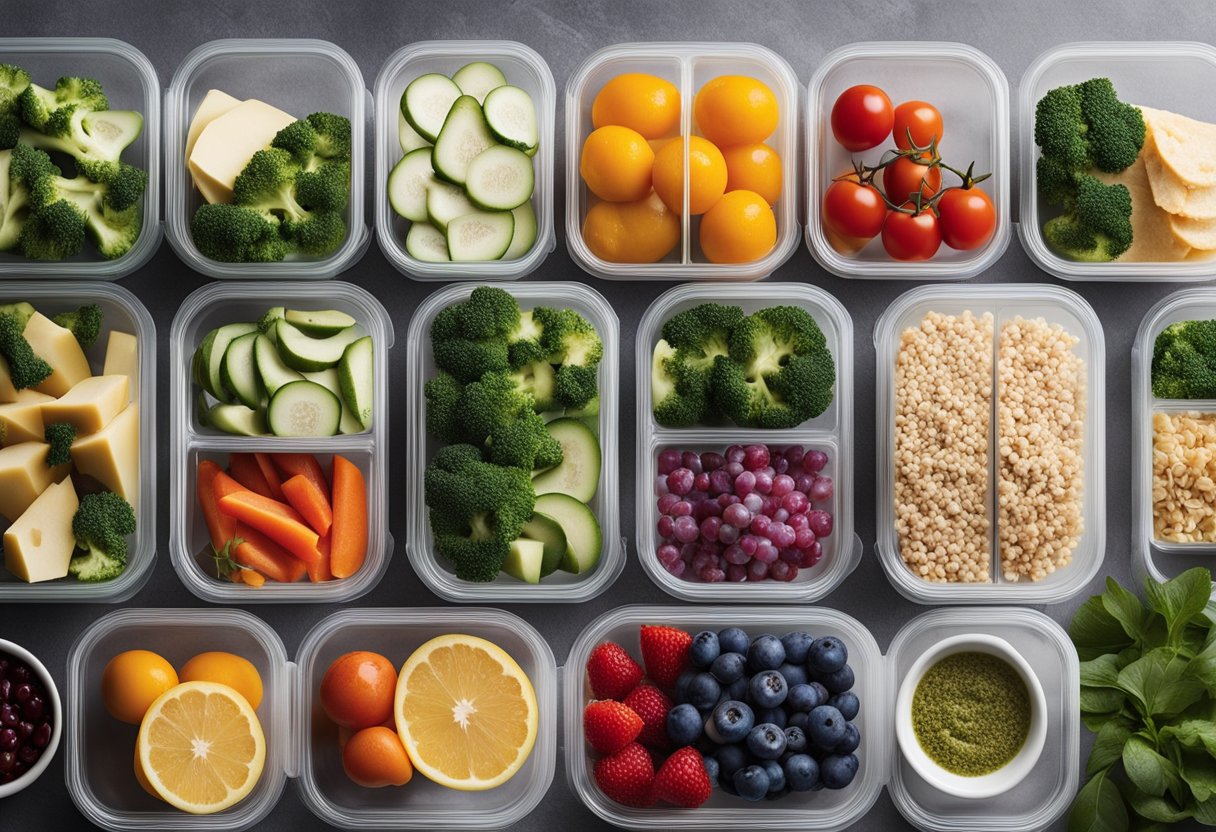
{"type": "Point", "coordinates": [320, 323]}
{"type": "Point", "coordinates": [463, 137]}
{"type": "Point", "coordinates": [271, 369]}
{"type": "Point", "coordinates": [357, 377]}
{"type": "Point", "coordinates": [425, 242]}
{"type": "Point", "coordinates": [427, 101]}
{"type": "Point", "coordinates": [584, 539]}
{"type": "Point", "coordinates": [578, 474]}
{"type": "Point", "coordinates": [480, 236]}
{"type": "Point", "coordinates": [446, 202]}
{"type": "Point", "coordinates": [500, 179]}
{"type": "Point", "coordinates": [524, 559]}
{"type": "Point", "coordinates": [211, 356]}
{"type": "Point", "coordinates": [524, 236]}
{"type": "Point", "coordinates": [238, 373]}
{"type": "Point", "coordinates": [407, 135]}
{"type": "Point", "coordinates": [329, 380]}
{"type": "Point", "coordinates": [304, 408]}
{"type": "Point", "coordinates": [299, 352]}
{"type": "Point", "coordinates": [407, 184]}
{"type": "Point", "coordinates": [478, 78]}
{"type": "Point", "coordinates": [237, 419]}
{"type": "Point", "coordinates": [269, 319]}
{"type": "Point", "coordinates": [549, 532]}
{"type": "Point", "coordinates": [511, 117]}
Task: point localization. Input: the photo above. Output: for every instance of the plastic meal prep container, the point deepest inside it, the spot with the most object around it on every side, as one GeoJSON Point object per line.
{"type": "Point", "coordinates": [224, 303]}
{"type": "Point", "coordinates": [1037, 801]}
{"type": "Point", "coordinates": [1168, 75]}
{"type": "Point", "coordinates": [122, 312]}
{"type": "Point", "coordinates": [130, 83]}
{"type": "Point", "coordinates": [1005, 302]}
{"type": "Point", "coordinates": [524, 68]}
{"type": "Point", "coordinates": [559, 587]}
{"type": "Point", "coordinates": [271, 70]}
{"type": "Point", "coordinates": [689, 66]}
{"type": "Point", "coordinates": [972, 94]}
{"type": "Point", "coordinates": [831, 431]}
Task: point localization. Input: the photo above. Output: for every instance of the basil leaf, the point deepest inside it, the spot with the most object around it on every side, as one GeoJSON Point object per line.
{"type": "Point", "coordinates": [1180, 599]}
{"type": "Point", "coordinates": [1158, 682]}
{"type": "Point", "coordinates": [1095, 631]}
{"type": "Point", "coordinates": [1198, 770]}
{"type": "Point", "coordinates": [1108, 747]}
{"type": "Point", "coordinates": [1147, 769]}
{"type": "Point", "coordinates": [1126, 608]}
{"type": "Point", "coordinates": [1098, 807]}
{"type": "Point", "coordinates": [1194, 733]}
{"type": "Point", "coordinates": [1102, 672]}
{"type": "Point", "coordinates": [1095, 721]}
{"type": "Point", "coordinates": [1101, 700]}
{"type": "Point", "coordinates": [1159, 809]}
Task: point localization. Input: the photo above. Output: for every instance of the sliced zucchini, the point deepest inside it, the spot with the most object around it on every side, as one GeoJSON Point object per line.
{"type": "Point", "coordinates": [237, 419]}
{"type": "Point", "coordinates": [511, 117]}
{"type": "Point", "coordinates": [480, 236]}
{"type": "Point", "coordinates": [304, 408]}
{"type": "Point", "coordinates": [329, 380]}
{"type": "Point", "coordinates": [238, 372]}
{"type": "Point", "coordinates": [426, 102]}
{"type": "Point", "coordinates": [584, 539]}
{"type": "Point", "coordinates": [524, 236]}
{"type": "Point", "coordinates": [319, 323]}
{"type": "Point", "coordinates": [270, 318]}
{"type": "Point", "coordinates": [478, 78]}
{"type": "Point", "coordinates": [549, 532]}
{"type": "Point", "coordinates": [407, 135]}
{"type": "Point", "coordinates": [500, 179]}
{"type": "Point", "coordinates": [271, 369]}
{"type": "Point", "coordinates": [578, 474]}
{"type": "Point", "coordinates": [524, 560]}
{"type": "Point", "coordinates": [425, 242]}
{"type": "Point", "coordinates": [407, 184]}
{"type": "Point", "coordinates": [211, 356]}
{"type": "Point", "coordinates": [446, 202]}
{"type": "Point", "coordinates": [299, 352]}
{"type": "Point", "coordinates": [357, 377]}
{"type": "Point", "coordinates": [463, 137]}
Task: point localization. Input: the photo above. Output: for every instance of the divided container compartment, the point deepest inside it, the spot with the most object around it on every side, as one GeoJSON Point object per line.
{"type": "Point", "coordinates": [831, 431]}
{"type": "Point", "coordinates": [121, 311]}
{"type": "Point", "coordinates": [524, 68]}
{"type": "Point", "coordinates": [130, 83]}
{"type": "Point", "coordinates": [1037, 801]}
{"type": "Point", "coordinates": [1005, 301]}
{"type": "Point", "coordinates": [971, 92]}
{"type": "Point", "coordinates": [217, 304]}
{"type": "Point", "coordinates": [559, 587]}
{"type": "Point", "coordinates": [270, 70]}
{"type": "Point", "coordinates": [1167, 75]}
{"type": "Point", "coordinates": [689, 66]}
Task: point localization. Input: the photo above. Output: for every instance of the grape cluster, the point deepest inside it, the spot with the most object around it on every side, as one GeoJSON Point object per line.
{"type": "Point", "coordinates": [26, 720]}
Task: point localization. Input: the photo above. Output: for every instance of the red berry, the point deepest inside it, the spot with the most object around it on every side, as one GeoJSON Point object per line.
{"type": "Point", "coordinates": [683, 780]}
{"type": "Point", "coordinates": [665, 653]}
{"type": "Point", "coordinates": [651, 705]}
{"type": "Point", "coordinates": [627, 776]}
{"type": "Point", "coordinates": [610, 726]}
{"type": "Point", "coordinates": [612, 671]}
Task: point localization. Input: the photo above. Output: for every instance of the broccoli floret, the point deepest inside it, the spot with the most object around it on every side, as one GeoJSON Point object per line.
{"type": "Point", "coordinates": [13, 81]}
{"type": "Point", "coordinates": [60, 437]}
{"type": "Point", "coordinates": [320, 146]}
{"type": "Point", "coordinates": [101, 525]}
{"type": "Point", "coordinates": [21, 311]}
{"type": "Point", "coordinates": [84, 322]}
{"type": "Point", "coordinates": [678, 391]}
{"type": "Point", "coordinates": [489, 404]}
{"type": "Point", "coordinates": [1096, 226]}
{"type": "Point", "coordinates": [574, 345]}
{"type": "Point", "coordinates": [525, 341]}
{"type": "Point", "coordinates": [1116, 130]}
{"type": "Point", "coordinates": [1184, 361]}
{"type": "Point", "coordinates": [235, 234]}
{"type": "Point", "coordinates": [476, 509]}
{"type": "Point", "coordinates": [537, 379]}
{"type": "Point", "coordinates": [267, 185]}
{"type": "Point", "coordinates": [14, 203]}
{"type": "Point", "coordinates": [468, 339]}
{"type": "Point", "coordinates": [94, 139]}
{"type": "Point", "coordinates": [524, 442]}
{"type": "Point", "coordinates": [467, 360]}
{"type": "Point", "coordinates": [498, 412]}
{"type": "Point", "coordinates": [55, 232]}
{"type": "Point", "coordinates": [40, 105]}
{"type": "Point", "coordinates": [1059, 129]}
{"type": "Point", "coordinates": [489, 312]}
{"type": "Point", "coordinates": [107, 213]}
{"type": "Point", "coordinates": [442, 407]}
{"type": "Point", "coordinates": [25, 368]}
{"type": "Point", "coordinates": [1057, 182]}
{"type": "Point", "coordinates": [327, 189]}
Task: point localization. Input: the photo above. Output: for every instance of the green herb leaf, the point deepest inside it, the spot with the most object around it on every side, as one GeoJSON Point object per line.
{"type": "Point", "coordinates": [1198, 770]}
{"type": "Point", "coordinates": [224, 564]}
{"type": "Point", "coordinates": [1098, 807]}
{"type": "Point", "coordinates": [1205, 812]}
{"type": "Point", "coordinates": [1158, 683]}
{"type": "Point", "coordinates": [1180, 599]}
{"type": "Point", "coordinates": [1102, 672]}
{"type": "Point", "coordinates": [1159, 809]}
{"type": "Point", "coordinates": [1151, 772]}
{"type": "Point", "coordinates": [1108, 747]}
{"type": "Point", "coordinates": [1194, 733]}
{"type": "Point", "coordinates": [1095, 631]}
{"type": "Point", "coordinates": [1095, 721]}
{"type": "Point", "coordinates": [1126, 608]}
{"type": "Point", "coordinates": [1101, 701]}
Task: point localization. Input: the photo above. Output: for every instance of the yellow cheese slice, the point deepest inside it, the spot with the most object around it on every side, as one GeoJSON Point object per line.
{"type": "Point", "coordinates": [8, 393]}
{"type": "Point", "coordinates": [21, 420]}
{"type": "Point", "coordinates": [215, 104]}
{"type": "Point", "coordinates": [24, 475]}
{"type": "Point", "coordinates": [1187, 147]}
{"type": "Point", "coordinates": [122, 359]}
{"type": "Point", "coordinates": [1169, 191]}
{"type": "Point", "coordinates": [228, 143]}
{"type": "Point", "coordinates": [111, 456]}
{"type": "Point", "coordinates": [90, 405]}
{"type": "Point", "coordinates": [58, 347]}
{"type": "Point", "coordinates": [38, 546]}
{"type": "Point", "coordinates": [1152, 239]}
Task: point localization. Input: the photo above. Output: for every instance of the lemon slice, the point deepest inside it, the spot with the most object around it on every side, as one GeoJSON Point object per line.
{"type": "Point", "coordinates": [466, 712]}
{"type": "Point", "coordinates": [201, 747]}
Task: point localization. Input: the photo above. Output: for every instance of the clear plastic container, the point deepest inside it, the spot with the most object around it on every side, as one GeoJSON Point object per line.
{"type": "Point", "coordinates": [1168, 75]}
{"type": "Point", "coordinates": [122, 312]}
{"type": "Point", "coordinates": [1004, 301]}
{"type": "Point", "coordinates": [973, 96]}
{"type": "Point", "coordinates": [1032, 805]}
{"type": "Point", "coordinates": [524, 68]}
{"type": "Point", "coordinates": [224, 303]}
{"type": "Point", "coordinates": [130, 83]}
{"type": "Point", "coordinates": [560, 587]}
{"type": "Point", "coordinates": [270, 70]}
{"type": "Point", "coordinates": [831, 431]}
{"type": "Point", "coordinates": [689, 66]}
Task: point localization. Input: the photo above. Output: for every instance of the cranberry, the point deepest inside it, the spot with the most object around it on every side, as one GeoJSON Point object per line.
{"type": "Point", "coordinates": [9, 740]}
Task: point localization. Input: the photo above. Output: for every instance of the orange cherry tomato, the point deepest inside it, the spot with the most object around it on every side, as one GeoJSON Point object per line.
{"type": "Point", "coordinates": [968, 219]}
{"type": "Point", "coordinates": [921, 119]}
{"type": "Point", "coordinates": [902, 179]}
{"type": "Point", "coordinates": [358, 690]}
{"type": "Point", "coordinates": [375, 758]}
{"type": "Point", "coordinates": [853, 210]}
{"type": "Point", "coordinates": [908, 236]}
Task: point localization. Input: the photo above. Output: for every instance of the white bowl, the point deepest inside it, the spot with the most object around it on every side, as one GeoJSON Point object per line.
{"type": "Point", "coordinates": [1013, 772]}
{"type": "Point", "coordinates": [52, 694]}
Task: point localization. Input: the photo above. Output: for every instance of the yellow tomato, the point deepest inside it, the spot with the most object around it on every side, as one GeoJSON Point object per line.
{"type": "Point", "coordinates": [735, 109]}
{"type": "Point", "coordinates": [641, 102]}
{"type": "Point", "coordinates": [739, 229]}
{"type": "Point", "coordinates": [234, 671]}
{"type": "Point", "coordinates": [706, 174]}
{"type": "Point", "coordinates": [616, 164]}
{"type": "Point", "coordinates": [754, 167]}
{"type": "Point", "coordinates": [132, 681]}
{"type": "Point", "coordinates": [631, 232]}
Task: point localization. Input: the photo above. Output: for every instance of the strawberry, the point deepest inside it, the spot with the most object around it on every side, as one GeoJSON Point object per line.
{"type": "Point", "coordinates": [612, 671]}
{"type": "Point", "coordinates": [627, 776]}
{"type": "Point", "coordinates": [682, 780]}
{"type": "Point", "coordinates": [610, 726]}
{"type": "Point", "coordinates": [652, 705]}
{"type": "Point", "coordinates": [665, 653]}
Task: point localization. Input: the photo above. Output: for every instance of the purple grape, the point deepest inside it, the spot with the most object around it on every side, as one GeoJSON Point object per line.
{"type": "Point", "coordinates": [666, 526]}
{"type": "Point", "coordinates": [820, 522]}
{"type": "Point", "coordinates": [710, 527]}
{"type": "Point", "coordinates": [748, 543]}
{"type": "Point", "coordinates": [9, 740]}
{"type": "Point", "coordinates": [25, 730]}
{"type": "Point", "coordinates": [686, 530]}
{"type": "Point", "coordinates": [9, 716]}
{"type": "Point", "coordinates": [705, 509]}
{"type": "Point", "coordinates": [22, 692]}
{"type": "Point", "coordinates": [789, 555]}
{"type": "Point", "coordinates": [733, 468]}
{"type": "Point", "coordinates": [677, 568]}
{"type": "Point", "coordinates": [803, 482]}
{"type": "Point", "coordinates": [738, 516]}
{"type": "Point", "coordinates": [735, 554]}
{"type": "Point", "coordinates": [760, 524]}
{"type": "Point", "coordinates": [755, 457]}
{"type": "Point", "coordinates": [780, 571]}
{"type": "Point", "coordinates": [753, 502]}
{"type": "Point", "coordinates": [7, 761]}
{"type": "Point", "coordinates": [735, 453]}
{"type": "Point", "coordinates": [712, 575]}
{"type": "Point", "coordinates": [681, 508]}
{"type": "Point", "coordinates": [795, 502]}
{"type": "Point", "coordinates": [766, 552]}
{"type": "Point", "coordinates": [804, 539]}
{"type": "Point", "coordinates": [794, 454]}
{"type": "Point", "coordinates": [703, 561]}
{"type": "Point", "coordinates": [728, 534]}
{"type": "Point", "coordinates": [42, 735]}
{"type": "Point", "coordinates": [745, 483]}
{"type": "Point", "coordinates": [701, 482]}
{"type": "Point", "coordinates": [725, 500]}
{"type": "Point", "coordinates": [821, 490]}
{"type": "Point", "coordinates": [815, 461]}
{"type": "Point", "coordinates": [781, 515]}
{"type": "Point", "coordinates": [668, 554]}
{"type": "Point", "coordinates": [666, 502]}
{"type": "Point", "coordinates": [757, 570]}
{"type": "Point", "coordinates": [680, 481]}
{"type": "Point", "coordinates": [797, 522]}
{"type": "Point", "coordinates": [711, 461]}
{"type": "Point", "coordinates": [781, 465]}
{"type": "Point", "coordinates": [764, 482]}
{"type": "Point", "coordinates": [719, 482]}
{"type": "Point", "coordinates": [669, 461]}
{"type": "Point", "coordinates": [782, 484]}
{"type": "Point", "coordinates": [692, 461]}
{"type": "Point", "coordinates": [736, 573]}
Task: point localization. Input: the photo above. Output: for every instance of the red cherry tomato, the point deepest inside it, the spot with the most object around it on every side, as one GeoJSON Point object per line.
{"type": "Point", "coordinates": [901, 180]}
{"type": "Point", "coordinates": [853, 210]}
{"type": "Point", "coordinates": [911, 236]}
{"type": "Point", "coordinates": [922, 119]}
{"type": "Point", "coordinates": [967, 218]}
{"type": "Point", "coordinates": [862, 118]}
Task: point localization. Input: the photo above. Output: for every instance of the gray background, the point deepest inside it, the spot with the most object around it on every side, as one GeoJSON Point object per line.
{"type": "Point", "coordinates": [564, 34]}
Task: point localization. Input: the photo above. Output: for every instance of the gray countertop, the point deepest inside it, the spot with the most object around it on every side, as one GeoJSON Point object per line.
{"type": "Point", "coordinates": [565, 33]}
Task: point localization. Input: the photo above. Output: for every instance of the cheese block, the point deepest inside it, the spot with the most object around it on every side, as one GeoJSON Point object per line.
{"type": "Point", "coordinates": [38, 546]}
{"type": "Point", "coordinates": [1153, 241]}
{"type": "Point", "coordinates": [58, 347]}
{"type": "Point", "coordinates": [90, 405]}
{"type": "Point", "coordinates": [111, 456]}
{"type": "Point", "coordinates": [228, 143]}
{"type": "Point", "coordinates": [24, 475]}
{"type": "Point", "coordinates": [122, 359]}
{"type": "Point", "coordinates": [8, 393]}
{"type": "Point", "coordinates": [215, 104]}
{"type": "Point", "coordinates": [1186, 146]}
{"type": "Point", "coordinates": [21, 420]}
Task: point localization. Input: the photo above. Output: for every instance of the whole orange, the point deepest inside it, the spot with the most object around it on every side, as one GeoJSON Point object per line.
{"type": "Point", "coordinates": [358, 689]}
{"type": "Point", "coordinates": [236, 672]}
{"type": "Point", "coordinates": [706, 175]}
{"type": "Point", "coordinates": [754, 167]}
{"type": "Point", "coordinates": [631, 232]}
{"type": "Point", "coordinates": [132, 681]}
{"type": "Point", "coordinates": [616, 164]}
{"type": "Point", "coordinates": [639, 101]}
{"type": "Point", "coordinates": [375, 757]}
{"type": "Point", "coordinates": [736, 109]}
{"type": "Point", "coordinates": [739, 229]}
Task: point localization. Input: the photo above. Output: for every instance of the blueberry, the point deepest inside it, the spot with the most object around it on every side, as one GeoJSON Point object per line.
{"type": "Point", "coordinates": [776, 776]}
{"type": "Point", "coordinates": [799, 719]}
{"type": "Point", "coordinates": [796, 646]}
{"type": "Point", "coordinates": [847, 703]}
{"type": "Point", "coordinates": [838, 770]}
{"type": "Point", "coordinates": [795, 739]}
{"type": "Point", "coordinates": [826, 727]}
{"type": "Point", "coordinates": [795, 674]}
{"type": "Point", "coordinates": [727, 784]}
{"type": "Point", "coordinates": [766, 741]}
{"type": "Point", "coordinates": [711, 768]}
{"type": "Point", "coordinates": [683, 725]}
{"type": "Point", "coordinates": [765, 653]}
{"type": "Point", "coordinates": [827, 655]}
{"type": "Point", "coordinates": [728, 667]}
{"type": "Point", "coordinates": [703, 691]}
{"type": "Point", "coordinates": [704, 649]}
{"type": "Point", "coordinates": [682, 684]}
{"type": "Point", "coordinates": [801, 772]}
{"type": "Point", "coordinates": [751, 782]}
{"type": "Point", "coordinates": [768, 689]}
{"type": "Point", "coordinates": [738, 688]}
{"type": "Point", "coordinates": [806, 698]}
{"type": "Point", "coordinates": [852, 739]}
{"type": "Point", "coordinates": [731, 721]}
{"type": "Point", "coordinates": [776, 716]}
{"type": "Point", "coordinates": [840, 681]}
{"type": "Point", "coordinates": [733, 640]}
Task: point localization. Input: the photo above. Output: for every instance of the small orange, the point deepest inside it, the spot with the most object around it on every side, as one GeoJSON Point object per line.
{"type": "Point", "coordinates": [375, 757]}
{"type": "Point", "coordinates": [631, 232]}
{"type": "Point", "coordinates": [735, 109]}
{"type": "Point", "coordinates": [228, 669]}
{"type": "Point", "coordinates": [754, 167]}
{"type": "Point", "coordinates": [739, 229]}
{"type": "Point", "coordinates": [616, 164]}
{"type": "Point", "coordinates": [639, 101]}
{"type": "Point", "coordinates": [358, 689]}
{"type": "Point", "coordinates": [706, 175]}
{"type": "Point", "coordinates": [132, 681]}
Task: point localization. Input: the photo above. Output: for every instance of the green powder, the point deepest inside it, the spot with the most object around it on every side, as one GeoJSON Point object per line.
{"type": "Point", "coordinates": [971, 713]}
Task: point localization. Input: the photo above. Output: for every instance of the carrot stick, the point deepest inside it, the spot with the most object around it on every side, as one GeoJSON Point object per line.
{"type": "Point", "coordinates": [319, 572]}
{"type": "Point", "coordinates": [220, 526]}
{"type": "Point", "coordinates": [292, 464]}
{"type": "Point", "coordinates": [225, 485]}
{"type": "Point", "coordinates": [244, 469]}
{"type": "Point", "coordinates": [280, 522]}
{"type": "Point", "coordinates": [311, 502]}
{"type": "Point", "coordinates": [252, 577]}
{"type": "Point", "coordinates": [348, 535]}
{"type": "Point", "coordinates": [271, 474]}
{"type": "Point", "coordinates": [260, 553]}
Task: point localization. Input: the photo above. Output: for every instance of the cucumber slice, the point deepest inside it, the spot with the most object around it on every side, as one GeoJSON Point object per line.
{"type": "Point", "coordinates": [578, 474]}
{"type": "Point", "coordinates": [211, 356]}
{"type": "Point", "coordinates": [549, 532]}
{"type": "Point", "coordinates": [270, 318]}
{"type": "Point", "coordinates": [463, 137]}
{"type": "Point", "coordinates": [304, 408]}
{"type": "Point", "coordinates": [407, 184]}
{"type": "Point", "coordinates": [426, 102]}
{"type": "Point", "coordinates": [478, 78]}
{"type": "Point", "coordinates": [584, 539]}
{"type": "Point", "coordinates": [204, 410]}
{"type": "Point", "coordinates": [356, 374]}
{"type": "Point", "coordinates": [237, 419]}
{"type": "Point", "coordinates": [499, 179]}
{"type": "Point", "coordinates": [524, 236]}
{"type": "Point", "coordinates": [319, 323]}
{"type": "Point", "coordinates": [480, 236]}
{"type": "Point", "coordinates": [299, 352]}
{"type": "Point", "coordinates": [511, 117]}
{"type": "Point", "coordinates": [239, 373]}
{"type": "Point", "coordinates": [425, 242]}
{"type": "Point", "coordinates": [407, 135]}
{"type": "Point", "coordinates": [524, 559]}
{"type": "Point", "coordinates": [271, 369]}
{"type": "Point", "coordinates": [329, 380]}
{"type": "Point", "coordinates": [446, 202]}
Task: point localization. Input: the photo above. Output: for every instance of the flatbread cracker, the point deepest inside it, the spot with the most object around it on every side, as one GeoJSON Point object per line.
{"type": "Point", "coordinates": [1199, 234]}
{"type": "Point", "coordinates": [1186, 147]}
{"type": "Point", "coordinates": [1171, 193]}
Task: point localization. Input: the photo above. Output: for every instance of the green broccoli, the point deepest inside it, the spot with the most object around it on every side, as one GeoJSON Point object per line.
{"type": "Point", "coordinates": [20, 168]}
{"type": "Point", "coordinates": [320, 145]}
{"type": "Point", "coordinates": [574, 345]}
{"type": "Point", "coordinates": [235, 234]}
{"type": "Point", "coordinates": [84, 322]}
{"type": "Point", "coordinates": [468, 339]}
{"type": "Point", "coordinates": [476, 509]}
{"type": "Point", "coordinates": [679, 391]}
{"type": "Point", "coordinates": [25, 368]}
{"type": "Point", "coordinates": [538, 379]}
{"type": "Point", "coordinates": [21, 311]}
{"type": "Point", "coordinates": [442, 407]}
{"type": "Point", "coordinates": [95, 140]}
{"type": "Point", "coordinates": [525, 341]}
{"type": "Point", "coordinates": [489, 312]}
{"type": "Point", "coordinates": [1184, 361]}
{"type": "Point", "coordinates": [524, 442]}
{"type": "Point", "coordinates": [702, 332]}
{"type": "Point", "coordinates": [497, 412]}
{"type": "Point", "coordinates": [70, 95]}
{"type": "Point", "coordinates": [108, 213]}
{"type": "Point", "coordinates": [267, 185]}
{"type": "Point", "coordinates": [1097, 223]}
{"type": "Point", "coordinates": [54, 232]}
{"type": "Point", "coordinates": [101, 525]}
{"type": "Point", "coordinates": [13, 81]}
{"type": "Point", "coordinates": [60, 437]}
